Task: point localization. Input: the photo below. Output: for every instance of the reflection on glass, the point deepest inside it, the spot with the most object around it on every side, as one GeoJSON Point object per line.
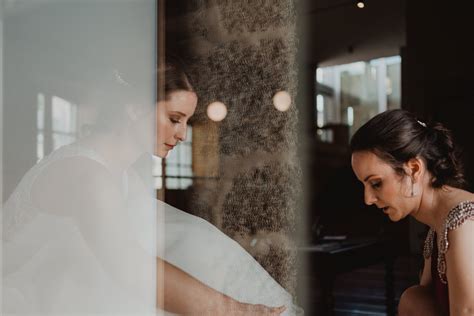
{"type": "Point", "coordinates": [217, 111]}
{"type": "Point", "coordinates": [179, 164]}
{"type": "Point", "coordinates": [64, 116]}
{"type": "Point", "coordinates": [319, 75]}
{"type": "Point", "coordinates": [157, 172]}
{"type": "Point", "coordinates": [282, 101]}
{"type": "Point", "coordinates": [56, 124]}
{"type": "Point", "coordinates": [39, 146]}
{"type": "Point", "coordinates": [40, 126]}
{"type": "Point", "coordinates": [350, 115]}
{"type": "Point", "coordinates": [320, 110]}
{"type": "Point", "coordinates": [40, 112]}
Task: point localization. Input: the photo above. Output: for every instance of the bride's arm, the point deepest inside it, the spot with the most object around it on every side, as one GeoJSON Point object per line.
{"type": "Point", "coordinates": [180, 293]}
{"type": "Point", "coordinates": [84, 191]}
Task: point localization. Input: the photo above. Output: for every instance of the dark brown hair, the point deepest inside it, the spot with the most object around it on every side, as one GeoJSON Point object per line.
{"type": "Point", "coordinates": [174, 75]}
{"type": "Point", "coordinates": [396, 136]}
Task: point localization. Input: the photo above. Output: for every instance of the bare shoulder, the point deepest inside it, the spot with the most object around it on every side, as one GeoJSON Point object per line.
{"type": "Point", "coordinates": [461, 237]}
{"type": "Point", "coordinates": [457, 245]}
{"type": "Point", "coordinates": [459, 230]}
{"type": "Point", "coordinates": [460, 267]}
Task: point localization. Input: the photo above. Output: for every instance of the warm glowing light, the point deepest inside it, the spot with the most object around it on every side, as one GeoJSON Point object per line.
{"type": "Point", "coordinates": [360, 4]}
{"type": "Point", "coordinates": [217, 111]}
{"type": "Point", "coordinates": [282, 101]}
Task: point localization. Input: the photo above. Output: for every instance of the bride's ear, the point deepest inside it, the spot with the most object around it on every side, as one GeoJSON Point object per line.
{"type": "Point", "coordinates": [415, 168]}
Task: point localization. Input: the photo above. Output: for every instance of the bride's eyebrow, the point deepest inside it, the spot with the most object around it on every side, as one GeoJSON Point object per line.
{"type": "Point", "coordinates": [178, 112]}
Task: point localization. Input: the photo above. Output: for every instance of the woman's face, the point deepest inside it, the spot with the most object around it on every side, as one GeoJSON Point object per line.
{"type": "Point", "coordinates": [172, 118]}
{"type": "Point", "coordinates": [383, 186]}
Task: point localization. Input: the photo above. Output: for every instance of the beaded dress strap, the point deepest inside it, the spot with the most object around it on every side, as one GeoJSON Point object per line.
{"type": "Point", "coordinates": [428, 247]}
{"type": "Point", "coordinates": [456, 217]}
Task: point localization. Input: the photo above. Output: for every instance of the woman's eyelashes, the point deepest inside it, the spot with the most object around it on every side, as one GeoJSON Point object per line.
{"type": "Point", "coordinates": [376, 184]}
{"type": "Point", "coordinates": [175, 120]}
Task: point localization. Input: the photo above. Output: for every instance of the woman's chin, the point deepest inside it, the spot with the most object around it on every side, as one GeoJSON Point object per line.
{"type": "Point", "coordinates": [162, 153]}
{"type": "Point", "coordinates": [395, 216]}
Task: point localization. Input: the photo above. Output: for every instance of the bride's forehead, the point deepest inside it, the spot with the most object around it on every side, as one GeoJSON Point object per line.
{"type": "Point", "coordinates": [183, 101]}
{"type": "Point", "coordinates": [181, 96]}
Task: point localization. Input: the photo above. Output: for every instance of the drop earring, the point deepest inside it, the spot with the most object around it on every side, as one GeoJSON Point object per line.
{"type": "Point", "coordinates": [414, 191]}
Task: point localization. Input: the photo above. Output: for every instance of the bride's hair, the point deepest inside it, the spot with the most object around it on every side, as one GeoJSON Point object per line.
{"type": "Point", "coordinates": [174, 76]}
{"type": "Point", "coordinates": [127, 85]}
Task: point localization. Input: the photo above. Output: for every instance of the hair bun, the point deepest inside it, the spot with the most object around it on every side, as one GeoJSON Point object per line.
{"type": "Point", "coordinates": [396, 136]}
{"type": "Point", "coordinates": [446, 166]}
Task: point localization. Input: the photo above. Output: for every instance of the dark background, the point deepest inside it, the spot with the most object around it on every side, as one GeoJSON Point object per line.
{"type": "Point", "coordinates": [432, 39]}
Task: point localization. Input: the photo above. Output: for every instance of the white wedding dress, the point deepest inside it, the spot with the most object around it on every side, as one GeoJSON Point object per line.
{"type": "Point", "coordinates": [51, 268]}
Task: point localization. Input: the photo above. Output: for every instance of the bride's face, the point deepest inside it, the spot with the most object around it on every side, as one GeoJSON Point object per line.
{"type": "Point", "coordinates": [172, 118]}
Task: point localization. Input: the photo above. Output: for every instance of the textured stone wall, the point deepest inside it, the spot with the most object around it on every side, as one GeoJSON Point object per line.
{"type": "Point", "coordinates": [243, 53]}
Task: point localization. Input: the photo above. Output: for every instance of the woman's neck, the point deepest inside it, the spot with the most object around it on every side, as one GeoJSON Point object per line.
{"type": "Point", "coordinates": [436, 203]}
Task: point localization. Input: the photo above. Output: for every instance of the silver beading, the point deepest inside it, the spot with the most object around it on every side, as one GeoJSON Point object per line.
{"type": "Point", "coordinates": [456, 217]}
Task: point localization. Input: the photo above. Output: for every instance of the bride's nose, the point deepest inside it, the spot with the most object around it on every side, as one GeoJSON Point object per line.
{"type": "Point", "coordinates": [181, 133]}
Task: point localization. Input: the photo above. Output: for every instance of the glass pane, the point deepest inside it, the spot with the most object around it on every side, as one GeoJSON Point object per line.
{"type": "Point", "coordinates": [157, 166]}
{"type": "Point", "coordinates": [186, 172]}
{"type": "Point", "coordinates": [62, 140]}
{"type": "Point", "coordinates": [40, 112]}
{"type": "Point", "coordinates": [157, 183]}
{"type": "Point", "coordinates": [353, 93]}
{"type": "Point", "coordinates": [359, 91]}
{"type": "Point", "coordinates": [40, 146]}
{"type": "Point", "coordinates": [186, 183]}
{"type": "Point", "coordinates": [64, 115]}
{"type": "Point", "coordinates": [172, 183]}
{"type": "Point", "coordinates": [185, 157]}
{"type": "Point", "coordinates": [172, 170]}
{"type": "Point", "coordinates": [189, 134]}
{"type": "Point", "coordinates": [393, 83]}
{"type": "Point", "coordinates": [60, 61]}
{"type": "Point", "coordinates": [173, 155]}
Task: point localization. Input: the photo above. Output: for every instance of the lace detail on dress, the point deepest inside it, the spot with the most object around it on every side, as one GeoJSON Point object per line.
{"type": "Point", "coordinates": [19, 209]}
{"type": "Point", "coordinates": [428, 247]}
{"type": "Point", "coordinates": [456, 217]}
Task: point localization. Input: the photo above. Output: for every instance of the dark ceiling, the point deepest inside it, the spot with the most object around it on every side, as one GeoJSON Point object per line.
{"type": "Point", "coordinates": [339, 32]}
{"type": "Point", "coordinates": [336, 30]}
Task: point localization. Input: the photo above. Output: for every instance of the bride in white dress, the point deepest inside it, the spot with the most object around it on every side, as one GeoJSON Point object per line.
{"type": "Point", "coordinates": [83, 235]}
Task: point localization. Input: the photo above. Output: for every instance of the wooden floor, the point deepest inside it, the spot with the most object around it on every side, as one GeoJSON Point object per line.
{"type": "Point", "coordinates": [362, 292]}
